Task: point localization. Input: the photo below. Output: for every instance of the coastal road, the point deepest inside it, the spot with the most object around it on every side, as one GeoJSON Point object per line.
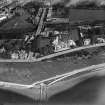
{"type": "Point", "coordinates": [89, 92]}
{"type": "Point", "coordinates": [45, 89]}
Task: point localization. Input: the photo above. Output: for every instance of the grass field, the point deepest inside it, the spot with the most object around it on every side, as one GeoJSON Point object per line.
{"type": "Point", "coordinates": [28, 73]}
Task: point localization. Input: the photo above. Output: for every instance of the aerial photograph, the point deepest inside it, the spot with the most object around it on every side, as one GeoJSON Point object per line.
{"type": "Point", "coordinates": [52, 52]}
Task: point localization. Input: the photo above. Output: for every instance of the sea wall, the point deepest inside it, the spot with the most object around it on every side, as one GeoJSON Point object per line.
{"type": "Point", "coordinates": [43, 90]}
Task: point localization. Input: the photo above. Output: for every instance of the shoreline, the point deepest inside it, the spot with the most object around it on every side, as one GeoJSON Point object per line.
{"type": "Point", "coordinates": [42, 91]}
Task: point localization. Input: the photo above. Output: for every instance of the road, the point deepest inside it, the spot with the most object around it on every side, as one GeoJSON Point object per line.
{"type": "Point", "coordinates": [88, 92]}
